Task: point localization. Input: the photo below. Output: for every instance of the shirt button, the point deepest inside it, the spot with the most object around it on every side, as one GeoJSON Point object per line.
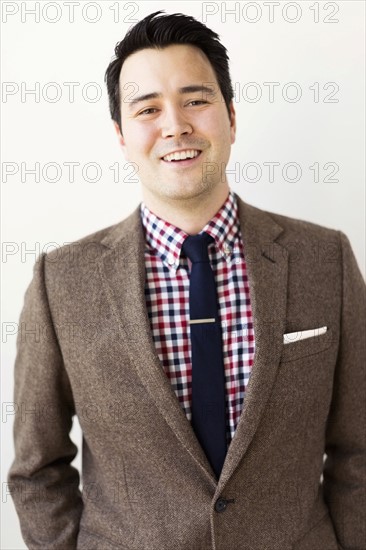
{"type": "Point", "coordinates": [227, 250]}
{"type": "Point", "coordinates": [171, 260]}
{"type": "Point", "coordinates": [220, 505]}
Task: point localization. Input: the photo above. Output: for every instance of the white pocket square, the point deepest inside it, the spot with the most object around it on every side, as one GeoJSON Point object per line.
{"type": "Point", "coordinates": [302, 334]}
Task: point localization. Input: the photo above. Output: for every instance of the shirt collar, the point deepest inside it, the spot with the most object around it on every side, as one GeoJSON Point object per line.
{"type": "Point", "coordinates": [166, 240]}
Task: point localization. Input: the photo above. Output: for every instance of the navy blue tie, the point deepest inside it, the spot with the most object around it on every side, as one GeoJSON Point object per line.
{"type": "Point", "coordinates": [208, 380]}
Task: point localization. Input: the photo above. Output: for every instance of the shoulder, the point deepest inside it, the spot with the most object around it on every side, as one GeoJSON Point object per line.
{"type": "Point", "coordinates": [80, 257]}
{"type": "Point", "coordinates": [92, 245]}
{"type": "Point", "coordinates": [331, 241]}
{"type": "Point", "coordinates": [267, 226]}
{"type": "Point", "coordinates": [306, 242]}
{"type": "Point", "coordinates": [301, 228]}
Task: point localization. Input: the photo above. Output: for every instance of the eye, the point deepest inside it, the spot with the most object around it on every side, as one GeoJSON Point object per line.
{"type": "Point", "coordinates": [197, 101]}
{"type": "Point", "coordinates": [147, 111]}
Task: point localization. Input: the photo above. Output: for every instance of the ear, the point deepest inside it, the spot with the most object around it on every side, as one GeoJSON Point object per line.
{"type": "Point", "coordinates": [232, 122]}
{"type": "Point", "coordinates": [120, 138]}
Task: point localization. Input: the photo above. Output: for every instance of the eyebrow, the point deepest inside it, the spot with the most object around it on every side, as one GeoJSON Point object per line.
{"type": "Point", "coordinates": [185, 90]}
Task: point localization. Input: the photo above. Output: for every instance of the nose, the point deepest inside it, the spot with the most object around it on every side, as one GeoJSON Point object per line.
{"type": "Point", "coordinates": [175, 124]}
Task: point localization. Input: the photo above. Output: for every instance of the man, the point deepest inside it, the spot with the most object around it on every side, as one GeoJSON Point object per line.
{"type": "Point", "coordinates": [213, 352]}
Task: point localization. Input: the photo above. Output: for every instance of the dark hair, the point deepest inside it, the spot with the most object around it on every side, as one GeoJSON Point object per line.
{"type": "Point", "coordinates": [159, 32]}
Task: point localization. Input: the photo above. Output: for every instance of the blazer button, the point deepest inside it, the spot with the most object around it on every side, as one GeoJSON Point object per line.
{"type": "Point", "coordinates": [220, 505]}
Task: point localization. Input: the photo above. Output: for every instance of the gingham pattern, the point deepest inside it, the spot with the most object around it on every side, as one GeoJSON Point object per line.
{"type": "Point", "coordinates": [167, 301]}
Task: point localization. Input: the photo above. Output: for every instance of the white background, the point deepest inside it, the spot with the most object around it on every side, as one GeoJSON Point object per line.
{"type": "Point", "coordinates": [328, 56]}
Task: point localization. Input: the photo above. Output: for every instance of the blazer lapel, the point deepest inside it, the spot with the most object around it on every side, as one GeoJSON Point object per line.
{"type": "Point", "coordinates": [267, 268]}
{"type": "Point", "coordinates": [122, 267]}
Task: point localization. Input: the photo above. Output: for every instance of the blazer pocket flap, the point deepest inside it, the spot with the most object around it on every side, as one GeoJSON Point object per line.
{"type": "Point", "coordinates": [322, 535]}
{"type": "Point", "coordinates": [88, 540]}
{"type": "Point", "coordinates": [307, 346]}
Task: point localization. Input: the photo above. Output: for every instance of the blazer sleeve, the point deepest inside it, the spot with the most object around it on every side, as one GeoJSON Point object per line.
{"type": "Point", "coordinates": [344, 471]}
{"type": "Point", "coordinates": [42, 483]}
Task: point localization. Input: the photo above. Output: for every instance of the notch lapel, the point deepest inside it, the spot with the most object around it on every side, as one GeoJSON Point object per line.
{"type": "Point", "coordinates": [122, 268]}
{"type": "Point", "coordinates": [267, 268]}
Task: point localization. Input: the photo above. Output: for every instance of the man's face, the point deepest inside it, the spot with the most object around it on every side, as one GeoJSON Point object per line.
{"type": "Point", "coordinates": [175, 118]}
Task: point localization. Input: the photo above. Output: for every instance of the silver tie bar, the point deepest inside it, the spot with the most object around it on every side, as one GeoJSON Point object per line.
{"type": "Point", "coordinates": [194, 321]}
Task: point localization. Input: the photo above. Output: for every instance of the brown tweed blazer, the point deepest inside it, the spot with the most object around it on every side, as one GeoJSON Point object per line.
{"type": "Point", "coordinates": [85, 347]}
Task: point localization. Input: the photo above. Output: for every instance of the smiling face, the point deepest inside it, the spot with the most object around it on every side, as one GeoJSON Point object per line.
{"type": "Point", "coordinates": [171, 103]}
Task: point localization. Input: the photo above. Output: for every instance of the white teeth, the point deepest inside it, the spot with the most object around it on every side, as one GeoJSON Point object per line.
{"type": "Point", "coordinates": [182, 155]}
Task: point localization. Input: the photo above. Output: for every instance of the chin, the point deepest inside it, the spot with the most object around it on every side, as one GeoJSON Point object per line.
{"type": "Point", "coordinates": [184, 191]}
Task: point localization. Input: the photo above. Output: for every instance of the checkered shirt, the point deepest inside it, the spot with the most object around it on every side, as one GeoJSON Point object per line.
{"type": "Point", "coordinates": [167, 302]}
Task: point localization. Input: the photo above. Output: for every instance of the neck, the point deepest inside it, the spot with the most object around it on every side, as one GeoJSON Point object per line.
{"type": "Point", "coordinates": [189, 214]}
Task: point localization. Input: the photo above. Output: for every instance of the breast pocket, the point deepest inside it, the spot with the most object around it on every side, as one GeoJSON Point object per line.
{"type": "Point", "coordinates": [308, 346]}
